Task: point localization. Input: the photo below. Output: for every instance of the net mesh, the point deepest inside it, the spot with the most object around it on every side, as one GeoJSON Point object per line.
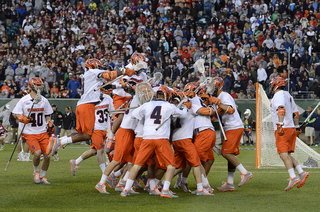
{"type": "Point", "coordinates": [144, 93]}
{"type": "Point", "coordinates": [199, 65]}
{"type": "Point", "coordinates": [266, 151]}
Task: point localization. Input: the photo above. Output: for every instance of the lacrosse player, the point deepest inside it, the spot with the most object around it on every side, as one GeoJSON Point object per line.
{"type": "Point", "coordinates": [233, 128]}
{"type": "Point", "coordinates": [93, 78]}
{"type": "Point", "coordinates": [247, 123]}
{"type": "Point", "coordinates": [36, 123]}
{"type": "Point", "coordinates": [285, 117]}
{"type": "Point", "coordinates": [102, 124]}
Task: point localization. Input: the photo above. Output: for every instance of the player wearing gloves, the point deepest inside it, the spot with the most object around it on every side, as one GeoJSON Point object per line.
{"type": "Point", "coordinates": [92, 79]}
{"type": "Point", "coordinates": [285, 117]}
{"type": "Point", "coordinates": [35, 131]}
{"type": "Point", "coordinates": [233, 128]}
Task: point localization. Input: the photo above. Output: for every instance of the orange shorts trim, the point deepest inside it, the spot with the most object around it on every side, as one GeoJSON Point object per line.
{"type": "Point", "coordinates": [37, 141]}
{"type": "Point", "coordinates": [123, 149]}
{"type": "Point", "coordinates": [231, 146]}
{"type": "Point", "coordinates": [204, 143]}
{"type": "Point", "coordinates": [184, 150]}
{"type": "Point", "coordinates": [118, 101]}
{"type": "Point", "coordinates": [160, 147]}
{"type": "Point", "coordinates": [287, 142]}
{"type": "Point", "coordinates": [98, 137]}
{"type": "Point", "coordinates": [137, 143]}
{"type": "Point", "coordinates": [85, 114]}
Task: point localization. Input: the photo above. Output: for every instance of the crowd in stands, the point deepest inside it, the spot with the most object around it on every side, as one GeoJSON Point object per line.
{"type": "Point", "coordinates": [243, 41]}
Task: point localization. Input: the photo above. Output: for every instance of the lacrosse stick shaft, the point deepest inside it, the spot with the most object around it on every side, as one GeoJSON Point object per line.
{"type": "Point", "coordinates": [123, 109]}
{"type": "Point", "coordinates": [178, 106]}
{"type": "Point", "coordinates": [220, 124]}
{"type": "Point", "coordinates": [112, 81]}
{"type": "Point", "coordinates": [15, 146]}
{"type": "Point", "coordinates": [124, 103]}
{"type": "Point", "coordinates": [305, 121]}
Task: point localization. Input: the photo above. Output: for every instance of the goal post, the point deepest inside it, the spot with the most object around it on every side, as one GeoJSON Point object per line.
{"type": "Point", "coordinates": [266, 150]}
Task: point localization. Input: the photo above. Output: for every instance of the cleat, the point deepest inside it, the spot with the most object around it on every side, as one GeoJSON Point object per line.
{"type": "Point", "coordinates": [20, 156]}
{"type": "Point", "coordinates": [108, 145]}
{"type": "Point", "coordinates": [303, 176]}
{"type": "Point", "coordinates": [245, 178]}
{"type": "Point", "coordinates": [56, 146]}
{"type": "Point", "coordinates": [43, 180]}
{"type": "Point", "coordinates": [102, 188]}
{"type": "Point", "coordinates": [2, 148]}
{"type": "Point", "coordinates": [120, 186]}
{"type": "Point", "coordinates": [56, 157]}
{"type": "Point", "coordinates": [293, 181]}
{"type": "Point", "coordinates": [167, 194]}
{"type": "Point", "coordinates": [155, 191]}
{"type": "Point", "coordinates": [185, 187]}
{"type": "Point", "coordinates": [136, 185]}
{"type": "Point", "coordinates": [132, 191]}
{"type": "Point", "coordinates": [178, 181]}
{"type": "Point", "coordinates": [26, 157]}
{"type": "Point", "coordinates": [144, 180]}
{"type": "Point", "coordinates": [50, 145]}
{"type": "Point", "coordinates": [208, 188]}
{"type": "Point", "coordinates": [114, 180]}
{"type": "Point", "coordinates": [147, 188]}
{"type": "Point", "coordinates": [74, 166]}
{"type": "Point", "coordinates": [226, 187]}
{"type": "Point", "coordinates": [159, 186]}
{"type": "Point", "coordinates": [203, 192]}
{"type": "Point", "coordinates": [109, 182]}
{"type": "Point", "coordinates": [125, 193]}
{"type": "Point", "coordinates": [36, 177]}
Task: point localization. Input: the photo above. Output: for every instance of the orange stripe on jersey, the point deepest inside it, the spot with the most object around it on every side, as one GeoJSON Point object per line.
{"type": "Point", "coordinates": [36, 109]}
{"type": "Point", "coordinates": [101, 107]}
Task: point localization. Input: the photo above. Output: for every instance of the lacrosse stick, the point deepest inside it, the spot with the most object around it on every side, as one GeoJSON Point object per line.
{"type": "Point", "coordinates": [178, 106]}
{"type": "Point", "coordinates": [220, 124]}
{"type": "Point", "coordinates": [157, 77]}
{"type": "Point", "coordinates": [307, 119]}
{"type": "Point", "coordinates": [122, 110]}
{"type": "Point", "coordinates": [35, 101]}
{"type": "Point", "coordinates": [199, 65]}
{"type": "Point", "coordinates": [217, 149]}
{"type": "Point", "coordinates": [144, 93]}
{"type": "Point", "coordinates": [108, 83]}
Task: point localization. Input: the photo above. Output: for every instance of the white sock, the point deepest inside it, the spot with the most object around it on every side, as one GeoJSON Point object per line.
{"type": "Point", "coordinates": [152, 184]}
{"type": "Point", "coordinates": [67, 140]}
{"type": "Point", "coordinates": [199, 186]}
{"type": "Point", "coordinates": [156, 181]}
{"type": "Point", "coordinates": [230, 177]}
{"type": "Point", "coordinates": [299, 169]}
{"type": "Point", "coordinates": [148, 183]}
{"type": "Point", "coordinates": [166, 185]}
{"type": "Point", "coordinates": [103, 179]}
{"type": "Point", "coordinates": [205, 181]}
{"type": "Point", "coordinates": [118, 173]}
{"type": "Point", "coordinates": [291, 173]}
{"type": "Point", "coordinates": [79, 160]}
{"type": "Point", "coordinates": [111, 136]}
{"type": "Point", "coordinates": [43, 173]}
{"type": "Point", "coordinates": [184, 180]}
{"type": "Point", "coordinates": [241, 169]}
{"type": "Point", "coordinates": [129, 185]}
{"type": "Point", "coordinates": [126, 176]}
{"type": "Point", "coordinates": [102, 167]}
{"type": "Point", "coordinates": [36, 168]}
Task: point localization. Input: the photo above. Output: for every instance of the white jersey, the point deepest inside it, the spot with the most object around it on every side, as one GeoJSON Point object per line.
{"type": "Point", "coordinates": [183, 128]}
{"type": "Point", "coordinates": [91, 80]}
{"type": "Point", "coordinates": [201, 122]}
{"type": "Point", "coordinates": [38, 123]}
{"type": "Point", "coordinates": [102, 118]}
{"type": "Point", "coordinates": [139, 128]}
{"type": "Point", "coordinates": [230, 121]}
{"type": "Point", "coordinates": [133, 80]}
{"type": "Point", "coordinates": [155, 113]}
{"type": "Point", "coordinates": [128, 122]}
{"type": "Point", "coordinates": [283, 98]}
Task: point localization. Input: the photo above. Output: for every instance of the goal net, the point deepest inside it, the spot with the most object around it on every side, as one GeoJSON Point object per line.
{"type": "Point", "coordinates": [266, 150]}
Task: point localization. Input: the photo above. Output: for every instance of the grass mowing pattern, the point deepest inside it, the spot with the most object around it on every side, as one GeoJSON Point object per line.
{"type": "Point", "coordinates": [264, 192]}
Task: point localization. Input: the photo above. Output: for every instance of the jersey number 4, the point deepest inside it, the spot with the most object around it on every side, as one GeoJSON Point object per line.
{"type": "Point", "coordinates": [156, 115]}
{"type": "Point", "coordinates": [103, 116]}
{"type": "Point", "coordinates": [36, 119]}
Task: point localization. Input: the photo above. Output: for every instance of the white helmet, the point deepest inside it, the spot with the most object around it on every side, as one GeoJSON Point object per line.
{"type": "Point", "coordinates": [247, 112]}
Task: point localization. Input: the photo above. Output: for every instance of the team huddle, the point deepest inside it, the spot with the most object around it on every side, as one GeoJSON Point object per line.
{"type": "Point", "coordinates": [158, 130]}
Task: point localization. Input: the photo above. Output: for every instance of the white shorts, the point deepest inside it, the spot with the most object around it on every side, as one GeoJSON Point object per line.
{"type": "Point", "coordinates": [309, 131]}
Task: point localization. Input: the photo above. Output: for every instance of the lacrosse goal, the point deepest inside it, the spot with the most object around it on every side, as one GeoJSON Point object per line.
{"type": "Point", "coordinates": [266, 151]}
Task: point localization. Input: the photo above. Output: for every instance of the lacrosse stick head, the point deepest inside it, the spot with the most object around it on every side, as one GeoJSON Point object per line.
{"type": "Point", "coordinates": [157, 77]}
{"type": "Point", "coordinates": [199, 65]}
{"type": "Point", "coordinates": [144, 93]}
{"type": "Point", "coordinates": [190, 88]}
{"type": "Point", "coordinates": [214, 86]}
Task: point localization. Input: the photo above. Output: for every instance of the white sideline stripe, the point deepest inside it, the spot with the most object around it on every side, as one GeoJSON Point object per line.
{"type": "Point", "coordinates": [273, 172]}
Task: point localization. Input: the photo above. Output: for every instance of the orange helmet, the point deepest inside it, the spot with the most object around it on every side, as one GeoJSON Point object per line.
{"type": "Point", "coordinates": [137, 57]}
{"type": "Point", "coordinates": [178, 94]}
{"type": "Point", "coordinates": [278, 82]}
{"type": "Point", "coordinates": [163, 90]}
{"type": "Point", "coordinates": [219, 83]}
{"type": "Point", "coordinates": [35, 81]}
{"type": "Point", "coordinates": [202, 93]}
{"type": "Point", "coordinates": [189, 89]}
{"type": "Point", "coordinates": [93, 64]}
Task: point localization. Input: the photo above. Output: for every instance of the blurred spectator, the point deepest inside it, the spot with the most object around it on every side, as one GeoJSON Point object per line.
{"type": "Point", "coordinates": [73, 85]}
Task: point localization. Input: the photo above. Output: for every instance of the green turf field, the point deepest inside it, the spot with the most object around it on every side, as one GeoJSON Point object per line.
{"type": "Point", "coordinates": [264, 192]}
